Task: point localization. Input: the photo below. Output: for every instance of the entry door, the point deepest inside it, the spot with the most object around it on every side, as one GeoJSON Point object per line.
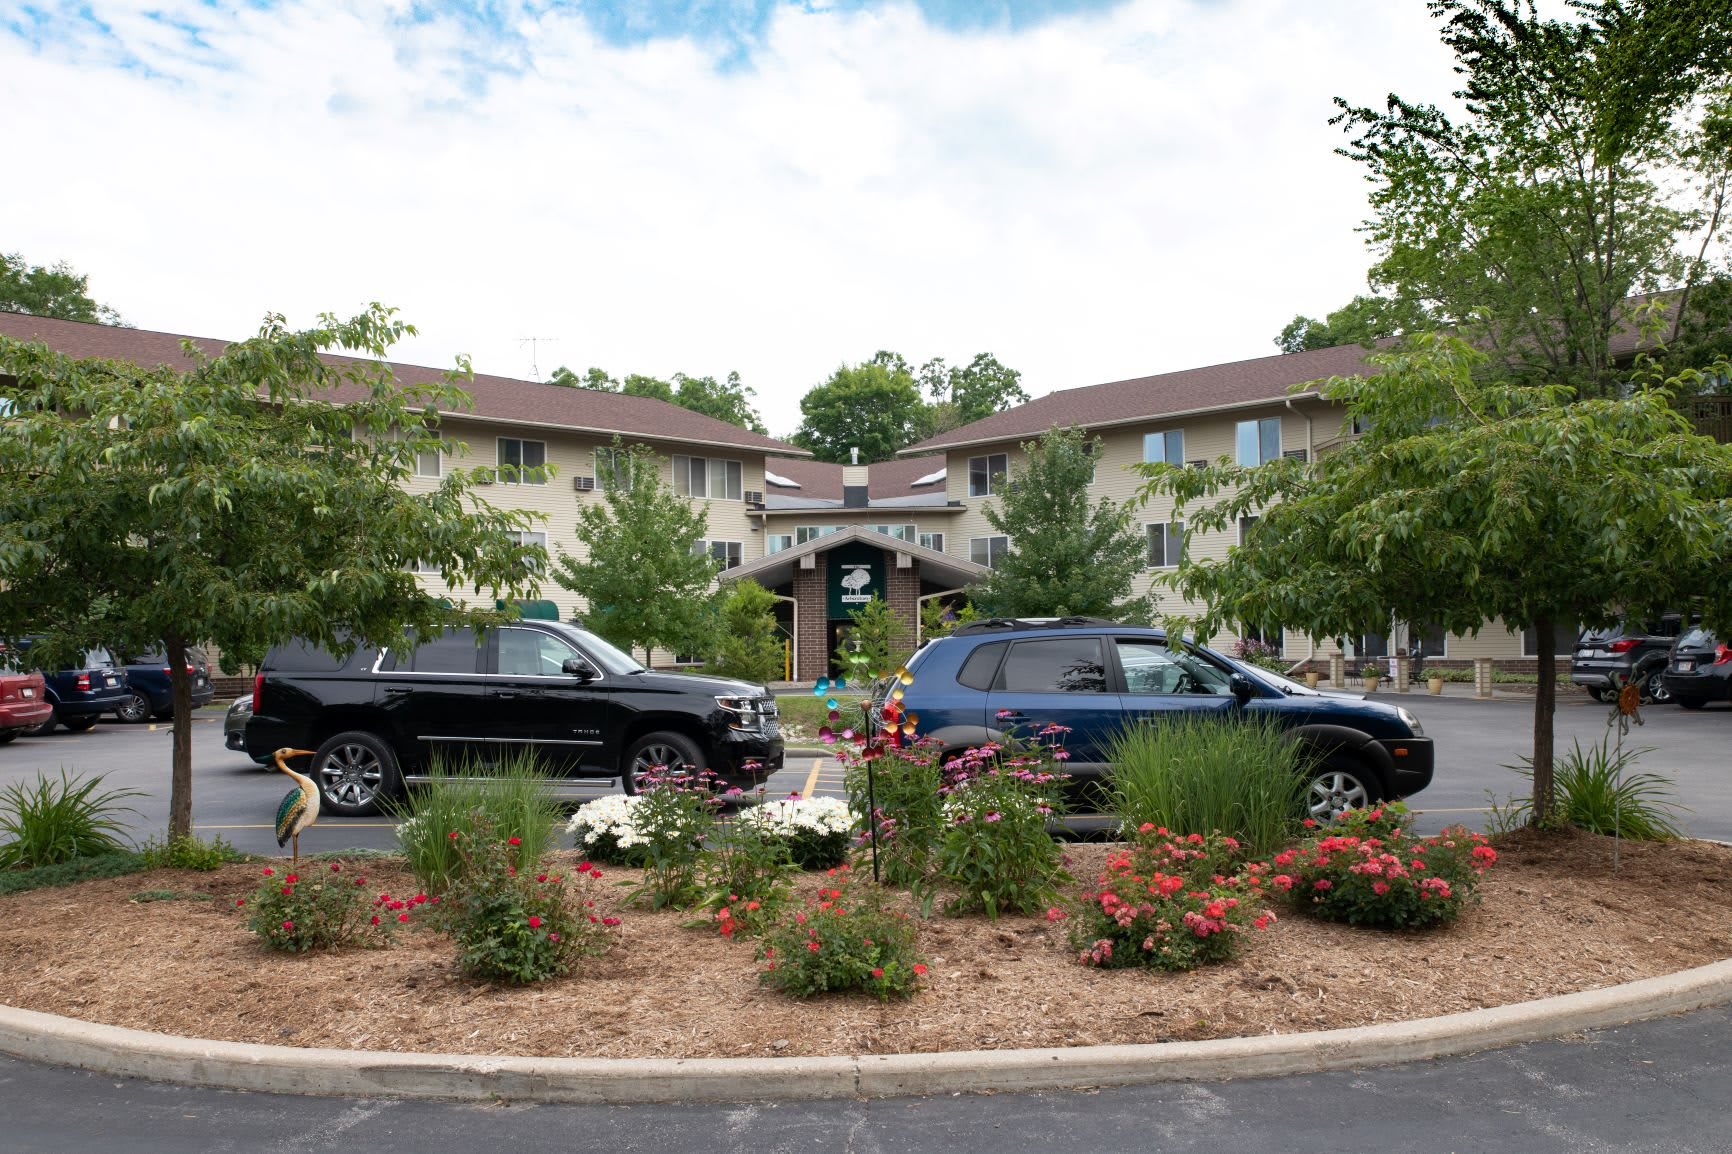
{"type": "Point", "coordinates": [534, 706]}
{"type": "Point", "coordinates": [1161, 683]}
{"type": "Point", "coordinates": [1058, 681]}
{"type": "Point", "coordinates": [433, 694]}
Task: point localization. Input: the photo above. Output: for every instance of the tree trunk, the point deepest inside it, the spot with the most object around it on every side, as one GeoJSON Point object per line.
{"type": "Point", "coordinates": [180, 777]}
{"type": "Point", "coordinates": [1545, 704]}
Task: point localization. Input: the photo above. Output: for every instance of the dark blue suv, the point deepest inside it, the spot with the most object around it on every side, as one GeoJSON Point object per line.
{"type": "Point", "coordinates": [993, 678]}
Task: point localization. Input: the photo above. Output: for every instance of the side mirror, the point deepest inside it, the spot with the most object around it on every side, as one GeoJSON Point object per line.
{"type": "Point", "coordinates": [579, 668]}
{"type": "Point", "coordinates": [1241, 687]}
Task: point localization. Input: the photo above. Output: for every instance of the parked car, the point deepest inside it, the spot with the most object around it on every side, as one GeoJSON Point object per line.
{"type": "Point", "coordinates": [24, 701]}
{"type": "Point", "coordinates": [1605, 659]}
{"type": "Point", "coordinates": [990, 679]}
{"type": "Point", "coordinates": [1700, 669]}
{"type": "Point", "coordinates": [585, 709]}
{"type": "Point", "coordinates": [94, 685]}
{"type": "Point", "coordinates": [235, 726]}
{"type": "Point", "coordinates": [147, 676]}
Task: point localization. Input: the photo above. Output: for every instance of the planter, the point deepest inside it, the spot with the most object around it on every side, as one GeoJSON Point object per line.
{"type": "Point", "coordinates": [1311, 680]}
{"type": "Point", "coordinates": [1371, 680]}
{"type": "Point", "coordinates": [1435, 684]}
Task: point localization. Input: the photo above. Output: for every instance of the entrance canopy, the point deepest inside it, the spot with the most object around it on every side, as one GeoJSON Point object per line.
{"type": "Point", "coordinates": [778, 568]}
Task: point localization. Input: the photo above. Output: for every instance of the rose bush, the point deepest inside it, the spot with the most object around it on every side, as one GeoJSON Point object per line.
{"type": "Point", "coordinates": [1395, 881]}
{"type": "Point", "coordinates": [835, 944]}
{"type": "Point", "coordinates": [325, 907]}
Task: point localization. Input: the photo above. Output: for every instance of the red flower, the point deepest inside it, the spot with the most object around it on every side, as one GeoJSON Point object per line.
{"type": "Point", "coordinates": [813, 946]}
{"type": "Point", "coordinates": [288, 890]}
{"type": "Point", "coordinates": [534, 922]}
{"type": "Point", "coordinates": [402, 917]}
{"type": "Point", "coordinates": [610, 921]}
{"type": "Point", "coordinates": [375, 919]}
{"type": "Point", "coordinates": [452, 835]}
{"type": "Point", "coordinates": [513, 841]}
{"type": "Point", "coordinates": [919, 970]}
{"type": "Point", "coordinates": [584, 867]}
{"type": "Point", "coordinates": [552, 937]}
{"type": "Point", "coordinates": [292, 878]}
{"type": "Point", "coordinates": [289, 927]}
{"type": "Point", "coordinates": [269, 871]}
{"type": "Point", "coordinates": [336, 867]}
{"type": "Point", "coordinates": [878, 973]}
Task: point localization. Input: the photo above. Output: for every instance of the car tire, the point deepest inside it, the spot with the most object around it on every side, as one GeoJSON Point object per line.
{"type": "Point", "coordinates": [1598, 694]}
{"type": "Point", "coordinates": [134, 709]}
{"type": "Point", "coordinates": [79, 724]}
{"type": "Point", "coordinates": [1654, 691]}
{"type": "Point", "coordinates": [1691, 702]}
{"type": "Point", "coordinates": [356, 773]}
{"type": "Point", "coordinates": [46, 728]}
{"type": "Point", "coordinates": [1340, 782]}
{"type": "Point", "coordinates": [663, 748]}
{"type": "Point", "coordinates": [8, 735]}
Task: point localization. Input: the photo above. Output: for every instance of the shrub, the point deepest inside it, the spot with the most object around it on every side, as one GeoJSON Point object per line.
{"type": "Point", "coordinates": [514, 926]}
{"type": "Point", "coordinates": [1243, 776]}
{"type": "Point", "coordinates": [327, 907]}
{"type": "Point", "coordinates": [1261, 654]}
{"type": "Point", "coordinates": [816, 831]}
{"type": "Point", "coordinates": [674, 816]}
{"type": "Point", "coordinates": [52, 822]}
{"type": "Point", "coordinates": [510, 799]}
{"type": "Point", "coordinates": [108, 865]}
{"type": "Point", "coordinates": [1381, 821]}
{"type": "Point", "coordinates": [996, 849]}
{"type": "Point", "coordinates": [898, 787]}
{"type": "Point", "coordinates": [1594, 789]}
{"type": "Point", "coordinates": [1161, 904]}
{"type": "Point", "coordinates": [188, 853]}
{"type": "Point", "coordinates": [1392, 882]}
{"type": "Point", "coordinates": [751, 646]}
{"type": "Point", "coordinates": [745, 879]}
{"type": "Point", "coordinates": [834, 945]}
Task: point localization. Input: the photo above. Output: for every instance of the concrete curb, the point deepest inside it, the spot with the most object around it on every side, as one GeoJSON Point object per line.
{"type": "Point", "coordinates": [114, 1051]}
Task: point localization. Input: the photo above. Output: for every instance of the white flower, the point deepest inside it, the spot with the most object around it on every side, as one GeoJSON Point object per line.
{"type": "Point", "coordinates": [818, 815]}
{"type": "Point", "coordinates": [613, 815]}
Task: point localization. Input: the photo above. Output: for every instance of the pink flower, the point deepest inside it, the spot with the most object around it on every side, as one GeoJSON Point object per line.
{"type": "Point", "coordinates": [289, 927]}
{"type": "Point", "coordinates": [610, 921]}
{"type": "Point", "coordinates": [552, 937]}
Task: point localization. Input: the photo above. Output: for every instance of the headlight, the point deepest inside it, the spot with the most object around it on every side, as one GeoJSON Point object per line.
{"type": "Point", "coordinates": [746, 711]}
{"type": "Point", "coordinates": [1412, 721]}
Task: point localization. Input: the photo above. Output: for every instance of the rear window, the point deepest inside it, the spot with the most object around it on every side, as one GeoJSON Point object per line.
{"type": "Point", "coordinates": [302, 657]}
{"type": "Point", "coordinates": [981, 667]}
{"type": "Point", "coordinates": [98, 658]}
{"type": "Point", "coordinates": [455, 652]}
{"type": "Point", "coordinates": [1055, 665]}
{"type": "Point", "coordinates": [1697, 638]}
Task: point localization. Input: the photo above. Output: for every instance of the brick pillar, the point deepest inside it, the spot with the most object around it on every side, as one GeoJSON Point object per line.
{"type": "Point", "coordinates": [902, 594]}
{"type": "Point", "coordinates": [811, 596]}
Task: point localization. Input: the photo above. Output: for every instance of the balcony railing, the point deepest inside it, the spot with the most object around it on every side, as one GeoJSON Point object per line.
{"type": "Point", "coordinates": [1713, 417]}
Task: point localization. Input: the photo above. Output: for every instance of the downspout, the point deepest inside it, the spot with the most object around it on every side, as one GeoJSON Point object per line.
{"type": "Point", "coordinates": [1310, 462]}
{"type": "Point", "coordinates": [794, 665]}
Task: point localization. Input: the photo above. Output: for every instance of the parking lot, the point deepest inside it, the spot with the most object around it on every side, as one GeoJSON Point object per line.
{"type": "Point", "coordinates": [1475, 741]}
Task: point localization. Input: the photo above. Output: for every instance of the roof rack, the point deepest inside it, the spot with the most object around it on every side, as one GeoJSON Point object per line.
{"type": "Point", "coordinates": [1001, 624]}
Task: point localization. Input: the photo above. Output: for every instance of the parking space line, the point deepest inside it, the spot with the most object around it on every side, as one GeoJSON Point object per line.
{"type": "Point", "coordinates": [812, 777]}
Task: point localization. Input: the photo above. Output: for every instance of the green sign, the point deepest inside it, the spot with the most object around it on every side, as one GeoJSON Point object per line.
{"type": "Point", "coordinates": [856, 576]}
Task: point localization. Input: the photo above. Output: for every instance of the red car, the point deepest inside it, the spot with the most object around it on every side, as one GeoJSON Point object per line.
{"type": "Point", "coordinates": [23, 701]}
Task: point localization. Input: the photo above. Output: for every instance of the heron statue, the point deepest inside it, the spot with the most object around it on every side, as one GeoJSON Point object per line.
{"type": "Point", "coordinates": [300, 808]}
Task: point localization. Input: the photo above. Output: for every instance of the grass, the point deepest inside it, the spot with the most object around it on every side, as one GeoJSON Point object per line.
{"type": "Point", "coordinates": [49, 822]}
{"type": "Point", "coordinates": [1595, 789]}
{"type": "Point", "coordinates": [502, 801]}
{"type": "Point", "coordinates": [109, 865]}
{"type": "Point", "coordinates": [805, 713]}
{"type": "Point", "coordinates": [1198, 775]}
{"type": "Point", "coordinates": [189, 853]}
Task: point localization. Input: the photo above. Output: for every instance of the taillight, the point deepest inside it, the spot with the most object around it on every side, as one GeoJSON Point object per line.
{"type": "Point", "coordinates": [1722, 654]}
{"type": "Point", "coordinates": [83, 682]}
{"type": "Point", "coordinates": [167, 669]}
{"type": "Point", "coordinates": [1625, 645]}
{"type": "Point", "coordinates": [258, 691]}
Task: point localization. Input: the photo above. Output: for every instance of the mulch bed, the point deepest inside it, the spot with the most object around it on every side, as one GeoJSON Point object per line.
{"type": "Point", "coordinates": [1554, 918]}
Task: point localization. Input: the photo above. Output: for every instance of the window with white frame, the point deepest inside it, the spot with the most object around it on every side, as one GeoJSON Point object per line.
{"type": "Point", "coordinates": [712, 477]}
{"type": "Point", "coordinates": [1168, 446]}
{"type": "Point", "coordinates": [429, 464]}
{"type": "Point", "coordinates": [1166, 542]}
{"type": "Point", "coordinates": [727, 554]}
{"type": "Point", "coordinates": [521, 537]}
{"type": "Point", "coordinates": [988, 551]}
{"type": "Point", "coordinates": [805, 533]}
{"type": "Point", "coordinates": [776, 542]}
{"type": "Point", "coordinates": [1259, 442]}
{"type": "Point", "coordinates": [612, 466]}
{"type": "Point", "coordinates": [986, 475]}
{"type": "Point", "coordinates": [932, 541]}
{"type": "Point", "coordinates": [522, 462]}
{"type": "Point", "coordinates": [424, 568]}
{"type": "Point", "coordinates": [1245, 524]}
{"type": "Point", "coordinates": [898, 532]}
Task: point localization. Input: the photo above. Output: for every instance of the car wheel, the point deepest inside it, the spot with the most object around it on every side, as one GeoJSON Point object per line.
{"type": "Point", "coordinates": [1691, 702]}
{"type": "Point", "coordinates": [356, 772]}
{"type": "Point", "coordinates": [661, 750]}
{"type": "Point", "coordinates": [134, 709]}
{"type": "Point", "coordinates": [1339, 783]}
{"type": "Point", "coordinates": [1598, 694]}
{"type": "Point", "coordinates": [7, 735]}
{"type": "Point", "coordinates": [1654, 691]}
{"type": "Point", "coordinates": [79, 724]}
{"type": "Point", "coordinates": [46, 728]}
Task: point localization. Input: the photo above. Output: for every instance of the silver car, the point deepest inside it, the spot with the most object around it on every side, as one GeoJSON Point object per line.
{"type": "Point", "coordinates": [235, 725]}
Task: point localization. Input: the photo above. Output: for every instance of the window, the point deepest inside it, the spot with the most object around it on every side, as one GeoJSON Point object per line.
{"type": "Point", "coordinates": [710, 477]}
{"type": "Point", "coordinates": [522, 462]}
{"type": "Point", "coordinates": [612, 466]}
{"type": "Point", "coordinates": [988, 551]}
{"type": "Point", "coordinates": [1245, 524]}
{"type": "Point", "coordinates": [1271, 635]}
{"type": "Point", "coordinates": [1371, 645]}
{"type": "Point", "coordinates": [805, 533]}
{"type": "Point", "coordinates": [899, 532]}
{"type": "Point", "coordinates": [424, 567]}
{"type": "Point", "coordinates": [455, 652]}
{"type": "Point", "coordinates": [776, 542]}
{"type": "Point", "coordinates": [532, 653]}
{"type": "Point", "coordinates": [1433, 641]}
{"type": "Point", "coordinates": [727, 554]}
{"type": "Point", "coordinates": [1165, 543]}
{"type": "Point", "coordinates": [933, 541]}
{"type": "Point", "coordinates": [1055, 665]}
{"type": "Point", "coordinates": [981, 668]}
{"type": "Point", "coordinates": [522, 538]}
{"type": "Point", "coordinates": [986, 474]}
{"type": "Point", "coordinates": [1168, 446]}
{"type": "Point", "coordinates": [1563, 640]}
{"type": "Point", "coordinates": [428, 464]}
{"type": "Point", "coordinates": [1259, 441]}
{"type": "Point", "coordinates": [1153, 668]}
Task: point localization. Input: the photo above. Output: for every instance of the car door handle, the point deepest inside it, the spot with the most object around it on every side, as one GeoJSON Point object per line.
{"type": "Point", "coordinates": [1010, 715]}
{"type": "Point", "coordinates": [396, 690]}
{"type": "Point", "coordinates": [505, 693]}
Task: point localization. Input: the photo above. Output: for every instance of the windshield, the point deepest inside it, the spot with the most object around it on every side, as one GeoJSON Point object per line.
{"type": "Point", "coordinates": [604, 653]}
{"type": "Point", "coordinates": [1697, 638]}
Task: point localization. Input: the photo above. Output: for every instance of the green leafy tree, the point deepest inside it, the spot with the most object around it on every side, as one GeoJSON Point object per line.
{"type": "Point", "coordinates": [1364, 320]}
{"type": "Point", "coordinates": [646, 581]}
{"type": "Point", "coordinates": [729, 400]}
{"type": "Point", "coordinates": [879, 641]}
{"type": "Point", "coordinates": [170, 506]}
{"type": "Point", "coordinates": [875, 407]}
{"type": "Point", "coordinates": [1531, 223]}
{"type": "Point", "coordinates": [1469, 499]}
{"type": "Point", "coordinates": [962, 395]}
{"type": "Point", "coordinates": [750, 645]}
{"type": "Point", "coordinates": [1066, 557]}
{"type": "Point", "coordinates": [593, 378]}
{"type": "Point", "coordinates": [938, 619]}
{"type": "Point", "coordinates": [44, 291]}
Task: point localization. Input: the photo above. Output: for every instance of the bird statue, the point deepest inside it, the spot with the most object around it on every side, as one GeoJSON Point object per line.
{"type": "Point", "coordinates": [300, 808]}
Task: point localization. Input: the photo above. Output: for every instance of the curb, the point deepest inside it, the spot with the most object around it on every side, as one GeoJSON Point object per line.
{"type": "Point", "coordinates": [119, 1052]}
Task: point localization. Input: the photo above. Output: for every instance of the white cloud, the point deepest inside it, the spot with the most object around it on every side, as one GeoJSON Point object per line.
{"type": "Point", "coordinates": [1146, 189]}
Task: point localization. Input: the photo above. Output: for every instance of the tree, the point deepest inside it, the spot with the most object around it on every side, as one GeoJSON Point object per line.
{"type": "Point", "coordinates": [1532, 225]}
{"type": "Point", "coordinates": [645, 577]}
{"type": "Point", "coordinates": [1469, 499]}
{"type": "Point", "coordinates": [41, 291]}
{"type": "Point", "coordinates": [728, 400]}
{"type": "Point", "coordinates": [874, 406]}
{"type": "Point", "coordinates": [1364, 320]}
{"type": "Point", "coordinates": [750, 645]}
{"type": "Point", "coordinates": [963, 395]}
{"type": "Point", "coordinates": [877, 642]}
{"type": "Point", "coordinates": [593, 378]}
{"type": "Point", "coordinates": [234, 502]}
{"type": "Point", "coordinates": [1065, 558]}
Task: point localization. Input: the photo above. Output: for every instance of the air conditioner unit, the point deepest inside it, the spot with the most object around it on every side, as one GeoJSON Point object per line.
{"type": "Point", "coordinates": [1198, 464]}
{"type": "Point", "coordinates": [1296, 454]}
{"type": "Point", "coordinates": [754, 497]}
{"type": "Point", "coordinates": [583, 484]}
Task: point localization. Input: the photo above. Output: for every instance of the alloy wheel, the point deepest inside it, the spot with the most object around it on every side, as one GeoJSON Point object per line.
{"type": "Point", "coordinates": [351, 775]}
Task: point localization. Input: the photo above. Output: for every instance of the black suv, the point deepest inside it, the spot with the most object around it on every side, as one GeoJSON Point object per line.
{"type": "Point", "coordinates": [992, 678]}
{"type": "Point", "coordinates": [1630, 651]}
{"type": "Point", "coordinates": [581, 706]}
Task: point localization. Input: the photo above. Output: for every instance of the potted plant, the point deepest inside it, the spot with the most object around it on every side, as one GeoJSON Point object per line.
{"type": "Point", "coordinates": [1312, 677]}
{"type": "Point", "coordinates": [1372, 675]}
{"type": "Point", "coordinates": [1434, 680]}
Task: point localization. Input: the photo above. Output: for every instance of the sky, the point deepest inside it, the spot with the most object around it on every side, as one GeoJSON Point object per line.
{"type": "Point", "coordinates": [1090, 190]}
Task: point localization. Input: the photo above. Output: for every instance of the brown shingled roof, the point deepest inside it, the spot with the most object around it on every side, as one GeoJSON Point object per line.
{"type": "Point", "coordinates": [496, 398]}
{"type": "Point", "coordinates": [821, 480]}
{"type": "Point", "coordinates": [1169, 394]}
